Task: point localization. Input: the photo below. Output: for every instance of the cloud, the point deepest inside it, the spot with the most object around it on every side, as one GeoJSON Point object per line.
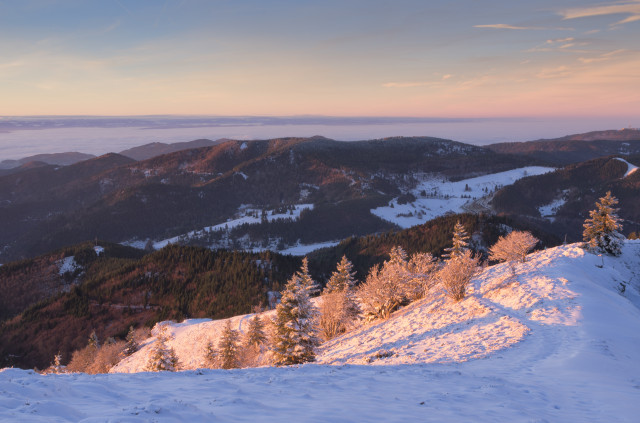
{"type": "Point", "coordinates": [406, 84]}
{"type": "Point", "coordinates": [561, 40]}
{"type": "Point", "coordinates": [601, 58]}
{"type": "Point", "coordinates": [549, 73]}
{"type": "Point", "coordinates": [631, 8]}
{"type": "Point", "coordinates": [505, 26]}
{"type": "Point", "coordinates": [447, 76]}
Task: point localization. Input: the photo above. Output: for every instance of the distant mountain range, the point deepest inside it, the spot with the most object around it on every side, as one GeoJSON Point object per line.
{"type": "Point", "coordinates": [575, 148]}
{"type": "Point", "coordinates": [118, 199]}
{"type": "Point", "coordinates": [142, 152]}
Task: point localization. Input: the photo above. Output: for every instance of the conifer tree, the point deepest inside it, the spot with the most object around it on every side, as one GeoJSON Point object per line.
{"type": "Point", "coordinates": [163, 357]}
{"type": "Point", "coordinates": [294, 334]}
{"type": "Point", "coordinates": [131, 346]}
{"type": "Point", "coordinates": [601, 230]}
{"type": "Point", "coordinates": [342, 278]}
{"type": "Point", "coordinates": [93, 340]}
{"type": "Point", "coordinates": [228, 347]}
{"type": "Point", "coordinates": [210, 356]}
{"type": "Point", "coordinates": [312, 287]}
{"type": "Point", "coordinates": [255, 335]}
{"type": "Point", "coordinates": [460, 242]}
{"type": "Point", "coordinates": [338, 307]}
{"type": "Point", "coordinates": [56, 367]}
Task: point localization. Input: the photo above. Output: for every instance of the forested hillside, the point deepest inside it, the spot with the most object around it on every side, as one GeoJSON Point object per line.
{"type": "Point", "coordinates": [117, 199]}
{"type": "Point", "coordinates": [111, 293]}
{"type": "Point", "coordinates": [558, 202]}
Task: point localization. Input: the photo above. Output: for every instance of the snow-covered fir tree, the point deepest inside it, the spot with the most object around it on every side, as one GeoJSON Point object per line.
{"type": "Point", "coordinates": [254, 343]}
{"type": "Point", "coordinates": [56, 367]}
{"type": "Point", "coordinates": [338, 306]}
{"type": "Point", "coordinates": [255, 335]}
{"type": "Point", "coordinates": [131, 346]}
{"type": "Point", "coordinates": [312, 287]}
{"type": "Point", "coordinates": [294, 333]}
{"type": "Point", "coordinates": [601, 230]}
{"type": "Point", "coordinates": [228, 353]}
{"type": "Point", "coordinates": [342, 278]}
{"type": "Point", "coordinates": [210, 356]}
{"type": "Point", "coordinates": [460, 242]}
{"type": "Point", "coordinates": [163, 357]}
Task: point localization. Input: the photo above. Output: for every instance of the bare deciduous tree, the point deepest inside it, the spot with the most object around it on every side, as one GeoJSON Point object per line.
{"type": "Point", "coordinates": [456, 274]}
{"type": "Point", "coordinates": [513, 247]}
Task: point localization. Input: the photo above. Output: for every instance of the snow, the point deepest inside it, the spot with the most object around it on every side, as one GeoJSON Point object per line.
{"type": "Point", "coordinates": [558, 343]}
{"type": "Point", "coordinates": [550, 210]}
{"type": "Point", "coordinates": [67, 264]}
{"type": "Point", "coordinates": [443, 197]}
{"type": "Point", "coordinates": [630, 168]}
{"type": "Point", "coordinates": [244, 175]}
{"type": "Point", "coordinates": [98, 249]}
{"type": "Point", "coordinates": [304, 249]}
{"type": "Point", "coordinates": [246, 215]}
{"type": "Point", "coordinates": [243, 146]}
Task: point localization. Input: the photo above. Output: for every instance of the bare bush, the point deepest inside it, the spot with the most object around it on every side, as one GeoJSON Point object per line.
{"type": "Point", "coordinates": [456, 274]}
{"type": "Point", "coordinates": [420, 276]}
{"type": "Point", "coordinates": [106, 357]}
{"type": "Point", "coordinates": [396, 282]}
{"type": "Point", "coordinates": [380, 295]}
{"type": "Point", "coordinates": [333, 319]}
{"type": "Point", "coordinates": [513, 247]}
{"type": "Point", "coordinates": [82, 359]}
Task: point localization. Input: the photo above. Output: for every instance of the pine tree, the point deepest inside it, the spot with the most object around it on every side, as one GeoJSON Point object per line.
{"type": "Point", "coordinates": [56, 367]}
{"type": "Point", "coordinates": [228, 347]}
{"type": "Point", "coordinates": [601, 230]}
{"type": "Point", "coordinates": [255, 335]}
{"type": "Point", "coordinates": [163, 358]}
{"type": "Point", "coordinates": [312, 287]}
{"type": "Point", "coordinates": [93, 340]}
{"type": "Point", "coordinates": [460, 242]}
{"type": "Point", "coordinates": [294, 335]}
{"type": "Point", "coordinates": [131, 345]}
{"type": "Point", "coordinates": [342, 278]}
{"type": "Point", "coordinates": [210, 356]}
{"type": "Point", "coordinates": [338, 307]}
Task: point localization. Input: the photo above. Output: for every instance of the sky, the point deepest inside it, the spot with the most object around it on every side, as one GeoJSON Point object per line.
{"type": "Point", "coordinates": [446, 58]}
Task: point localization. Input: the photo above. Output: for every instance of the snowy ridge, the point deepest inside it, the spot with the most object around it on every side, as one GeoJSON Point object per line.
{"type": "Point", "coordinates": [499, 312]}
{"type": "Point", "coordinates": [559, 343]}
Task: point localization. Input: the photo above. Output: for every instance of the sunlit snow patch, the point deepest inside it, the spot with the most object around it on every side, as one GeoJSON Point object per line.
{"type": "Point", "coordinates": [436, 196]}
{"type": "Point", "coordinates": [630, 168]}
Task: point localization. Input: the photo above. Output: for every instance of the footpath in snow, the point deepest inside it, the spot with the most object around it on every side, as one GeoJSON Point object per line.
{"type": "Point", "coordinates": [559, 343]}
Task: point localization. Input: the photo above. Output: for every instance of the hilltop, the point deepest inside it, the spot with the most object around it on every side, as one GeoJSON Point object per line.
{"type": "Point", "coordinates": [557, 344]}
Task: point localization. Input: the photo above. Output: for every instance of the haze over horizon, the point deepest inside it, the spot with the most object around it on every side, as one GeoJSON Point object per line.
{"type": "Point", "coordinates": [362, 58]}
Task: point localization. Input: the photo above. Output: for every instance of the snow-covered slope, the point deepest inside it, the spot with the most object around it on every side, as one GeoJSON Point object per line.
{"type": "Point", "coordinates": [437, 197]}
{"type": "Point", "coordinates": [630, 167]}
{"type": "Point", "coordinates": [559, 343]}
